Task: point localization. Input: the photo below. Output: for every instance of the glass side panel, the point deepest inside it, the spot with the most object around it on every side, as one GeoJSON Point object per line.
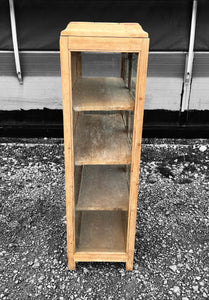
{"type": "Point", "coordinates": [97, 64]}
{"type": "Point", "coordinates": [103, 109]}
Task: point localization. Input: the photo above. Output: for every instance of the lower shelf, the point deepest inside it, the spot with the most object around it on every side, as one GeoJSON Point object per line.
{"type": "Point", "coordinates": [103, 188]}
{"type": "Point", "coordinates": [101, 231]}
{"type": "Point", "coordinates": [101, 256]}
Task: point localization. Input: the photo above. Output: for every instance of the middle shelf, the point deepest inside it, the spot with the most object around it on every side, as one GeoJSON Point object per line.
{"type": "Point", "coordinates": [101, 139]}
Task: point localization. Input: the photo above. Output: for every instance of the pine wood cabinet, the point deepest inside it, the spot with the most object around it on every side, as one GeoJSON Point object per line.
{"type": "Point", "coordinates": [103, 118]}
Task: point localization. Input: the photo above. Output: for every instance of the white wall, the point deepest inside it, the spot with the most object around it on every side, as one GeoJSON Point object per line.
{"type": "Point", "coordinates": [42, 83]}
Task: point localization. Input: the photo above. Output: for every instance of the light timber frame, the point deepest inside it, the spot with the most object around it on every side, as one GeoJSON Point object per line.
{"type": "Point", "coordinates": [101, 37]}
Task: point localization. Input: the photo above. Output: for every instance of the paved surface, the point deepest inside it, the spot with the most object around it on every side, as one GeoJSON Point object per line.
{"type": "Point", "coordinates": [172, 236]}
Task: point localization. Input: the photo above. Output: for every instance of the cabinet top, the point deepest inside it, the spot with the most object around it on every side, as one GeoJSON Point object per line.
{"type": "Point", "coordinates": [104, 29]}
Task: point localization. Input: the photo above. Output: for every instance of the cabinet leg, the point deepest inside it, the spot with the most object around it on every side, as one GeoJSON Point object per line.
{"type": "Point", "coordinates": [129, 264]}
{"type": "Point", "coordinates": [71, 264]}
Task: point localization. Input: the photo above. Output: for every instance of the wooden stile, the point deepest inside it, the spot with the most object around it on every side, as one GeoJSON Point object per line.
{"type": "Point", "coordinates": [102, 145]}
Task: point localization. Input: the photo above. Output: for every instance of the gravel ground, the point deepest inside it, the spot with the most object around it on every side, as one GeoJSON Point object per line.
{"type": "Point", "coordinates": [172, 237]}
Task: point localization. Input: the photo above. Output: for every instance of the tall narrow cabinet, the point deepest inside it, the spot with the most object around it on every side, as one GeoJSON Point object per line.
{"type": "Point", "coordinates": [103, 118]}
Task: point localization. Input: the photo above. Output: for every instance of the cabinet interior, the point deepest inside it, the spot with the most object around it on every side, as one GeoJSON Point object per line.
{"type": "Point", "coordinates": [103, 114]}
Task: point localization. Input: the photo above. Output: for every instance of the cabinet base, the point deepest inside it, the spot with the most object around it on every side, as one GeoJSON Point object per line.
{"type": "Point", "coordinates": [100, 257]}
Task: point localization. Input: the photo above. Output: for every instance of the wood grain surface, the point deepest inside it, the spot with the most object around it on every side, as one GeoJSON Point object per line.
{"type": "Point", "coordinates": [105, 93]}
{"type": "Point", "coordinates": [101, 139]}
{"type": "Point", "coordinates": [103, 188]}
{"type": "Point", "coordinates": [101, 231]}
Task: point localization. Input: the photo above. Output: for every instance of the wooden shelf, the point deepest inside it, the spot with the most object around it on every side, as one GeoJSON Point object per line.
{"type": "Point", "coordinates": [104, 93]}
{"type": "Point", "coordinates": [101, 140]}
{"type": "Point", "coordinates": [103, 188]}
{"type": "Point", "coordinates": [101, 231]}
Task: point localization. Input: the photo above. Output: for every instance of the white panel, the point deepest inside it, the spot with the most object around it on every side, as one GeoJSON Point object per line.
{"type": "Point", "coordinates": [42, 83]}
{"type": "Point", "coordinates": [199, 98]}
{"type": "Point", "coordinates": [164, 81]}
{"type": "Point", "coordinates": [163, 93]}
{"type": "Point", "coordinates": [36, 92]}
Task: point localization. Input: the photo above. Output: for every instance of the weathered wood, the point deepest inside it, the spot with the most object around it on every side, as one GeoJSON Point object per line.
{"type": "Point", "coordinates": [101, 231]}
{"type": "Point", "coordinates": [68, 147]}
{"type": "Point", "coordinates": [103, 188]}
{"type": "Point", "coordinates": [78, 216]}
{"type": "Point", "coordinates": [123, 66]}
{"type": "Point", "coordinates": [104, 29]}
{"type": "Point", "coordinates": [130, 119]}
{"type": "Point", "coordinates": [105, 230]}
{"type": "Point", "coordinates": [75, 118]}
{"type": "Point", "coordinates": [136, 149]}
{"type": "Point", "coordinates": [107, 93]}
{"type": "Point", "coordinates": [77, 181]}
{"type": "Point", "coordinates": [101, 139]}
{"type": "Point", "coordinates": [104, 44]}
{"type": "Point", "coordinates": [101, 256]}
{"type": "Point", "coordinates": [130, 56]}
{"type": "Point", "coordinates": [75, 66]}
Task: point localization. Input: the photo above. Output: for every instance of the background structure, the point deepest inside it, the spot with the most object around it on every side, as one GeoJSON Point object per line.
{"type": "Point", "coordinates": [177, 91]}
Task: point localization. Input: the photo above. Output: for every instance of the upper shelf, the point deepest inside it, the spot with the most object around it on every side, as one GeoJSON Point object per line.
{"type": "Point", "coordinates": [104, 29]}
{"type": "Point", "coordinates": [101, 93]}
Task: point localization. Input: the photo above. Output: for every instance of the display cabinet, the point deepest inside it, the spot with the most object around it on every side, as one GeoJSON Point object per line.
{"type": "Point", "coordinates": [103, 118]}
